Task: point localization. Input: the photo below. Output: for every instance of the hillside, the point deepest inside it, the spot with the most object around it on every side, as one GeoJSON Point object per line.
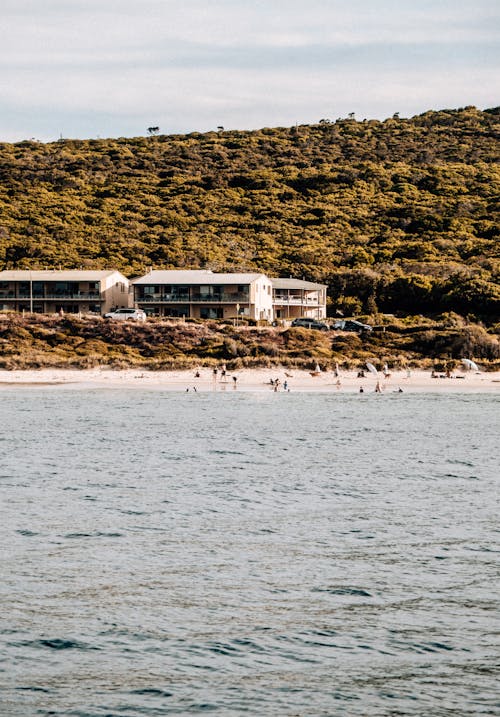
{"type": "Point", "coordinates": [396, 216]}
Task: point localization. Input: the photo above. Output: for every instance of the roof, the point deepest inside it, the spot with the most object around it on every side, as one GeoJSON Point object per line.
{"type": "Point", "coordinates": [295, 284]}
{"type": "Point", "coordinates": [194, 277]}
{"type": "Point", "coordinates": [56, 275]}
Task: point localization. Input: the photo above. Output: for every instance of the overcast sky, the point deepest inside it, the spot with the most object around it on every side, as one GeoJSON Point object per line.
{"type": "Point", "coordinates": [113, 68]}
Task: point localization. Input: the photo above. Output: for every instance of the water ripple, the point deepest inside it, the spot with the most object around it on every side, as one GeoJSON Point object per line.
{"type": "Point", "coordinates": [317, 556]}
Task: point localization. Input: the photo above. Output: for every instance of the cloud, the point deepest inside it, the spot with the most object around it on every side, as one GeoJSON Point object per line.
{"type": "Point", "coordinates": [129, 24]}
{"type": "Point", "coordinates": [193, 65]}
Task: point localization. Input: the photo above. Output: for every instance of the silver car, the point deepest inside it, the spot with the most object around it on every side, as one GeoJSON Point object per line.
{"type": "Point", "coordinates": [126, 315]}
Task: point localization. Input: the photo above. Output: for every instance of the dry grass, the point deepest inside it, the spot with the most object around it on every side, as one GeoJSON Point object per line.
{"type": "Point", "coordinates": [38, 341]}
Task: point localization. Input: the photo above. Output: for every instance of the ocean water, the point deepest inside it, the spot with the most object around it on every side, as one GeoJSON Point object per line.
{"type": "Point", "coordinates": [248, 554]}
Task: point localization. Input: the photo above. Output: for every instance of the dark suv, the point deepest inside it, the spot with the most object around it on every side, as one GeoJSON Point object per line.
{"type": "Point", "coordinates": [307, 323]}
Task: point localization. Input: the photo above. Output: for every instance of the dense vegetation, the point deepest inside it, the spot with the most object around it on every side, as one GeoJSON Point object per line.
{"type": "Point", "coordinates": [396, 216]}
{"type": "Point", "coordinates": [37, 341]}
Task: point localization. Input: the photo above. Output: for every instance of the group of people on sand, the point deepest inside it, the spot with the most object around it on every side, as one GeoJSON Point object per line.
{"type": "Point", "coordinates": [446, 374]}
{"type": "Point", "coordinates": [216, 372]}
{"type": "Point", "coordinates": [219, 375]}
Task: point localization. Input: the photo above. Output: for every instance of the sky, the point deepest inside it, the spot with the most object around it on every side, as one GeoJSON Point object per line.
{"type": "Point", "coordinates": [113, 68]}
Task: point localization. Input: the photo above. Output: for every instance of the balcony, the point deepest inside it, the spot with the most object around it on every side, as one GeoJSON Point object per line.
{"type": "Point", "coordinates": [193, 299]}
{"type": "Point", "coordinates": [296, 300]}
{"type": "Point", "coordinates": [79, 296]}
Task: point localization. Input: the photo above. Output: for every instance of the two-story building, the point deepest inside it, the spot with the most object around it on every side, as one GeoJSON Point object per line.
{"type": "Point", "coordinates": [293, 298]}
{"type": "Point", "coordinates": [71, 291]}
{"type": "Point", "coordinates": [204, 294]}
{"type": "Point", "coordinates": [201, 294]}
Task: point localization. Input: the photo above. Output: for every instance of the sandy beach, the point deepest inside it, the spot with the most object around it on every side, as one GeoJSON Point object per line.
{"type": "Point", "coordinates": [253, 380]}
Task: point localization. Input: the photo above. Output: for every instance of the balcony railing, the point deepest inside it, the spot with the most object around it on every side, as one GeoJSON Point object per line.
{"type": "Point", "coordinates": [52, 297]}
{"type": "Point", "coordinates": [79, 295]}
{"type": "Point", "coordinates": [193, 299]}
{"type": "Point", "coordinates": [296, 300]}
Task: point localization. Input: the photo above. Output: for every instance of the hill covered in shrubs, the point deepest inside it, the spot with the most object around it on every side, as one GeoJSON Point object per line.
{"type": "Point", "coordinates": [395, 216]}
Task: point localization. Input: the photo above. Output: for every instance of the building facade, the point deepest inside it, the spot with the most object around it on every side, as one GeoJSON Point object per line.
{"type": "Point", "coordinates": [69, 291]}
{"type": "Point", "coordinates": [204, 294]}
{"type": "Point", "coordinates": [200, 294]}
{"type": "Point", "coordinates": [294, 298]}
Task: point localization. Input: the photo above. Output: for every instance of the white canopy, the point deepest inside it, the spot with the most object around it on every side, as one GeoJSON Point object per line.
{"type": "Point", "coordinates": [371, 368]}
{"type": "Point", "coordinates": [470, 364]}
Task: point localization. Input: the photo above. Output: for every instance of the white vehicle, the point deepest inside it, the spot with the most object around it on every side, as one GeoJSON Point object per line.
{"type": "Point", "coordinates": [126, 315]}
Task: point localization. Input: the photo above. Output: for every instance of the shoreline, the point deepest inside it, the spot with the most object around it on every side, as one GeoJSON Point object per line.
{"type": "Point", "coordinates": [252, 380]}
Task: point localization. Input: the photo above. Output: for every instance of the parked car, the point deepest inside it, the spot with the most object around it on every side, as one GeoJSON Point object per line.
{"type": "Point", "coordinates": [308, 323]}
{"type": "Point", "coordinates": [352, 325]}
{"type": "Point", "coordinates": [126, 315]}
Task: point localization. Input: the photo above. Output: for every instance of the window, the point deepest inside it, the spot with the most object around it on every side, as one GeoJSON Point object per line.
{"type": "Point", "coordinates": [33, 288]}
{"type": "Point", "coordinates": [210, 292]}
{"type": "Point", "coordinates": [209, 313]}
{"type": "Point", "coordinates": [67, 309]}
{"type": "Point", "coordinates": [177, 311]}
{"type": "Point", "coordinates": [148, 293]}
{"type": "Point", "coordinates": [66, 288]}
